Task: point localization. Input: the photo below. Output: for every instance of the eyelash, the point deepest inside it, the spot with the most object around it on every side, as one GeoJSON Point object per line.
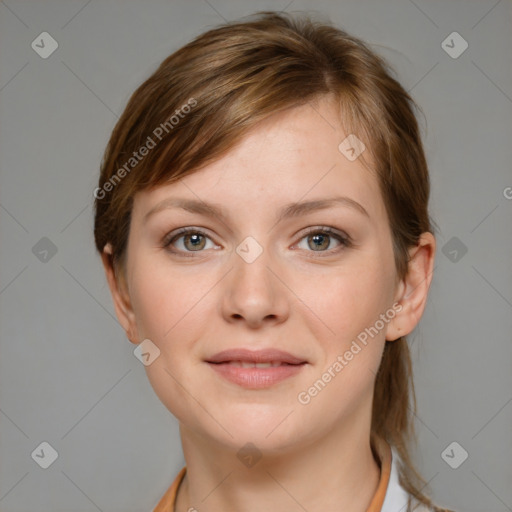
{"type": "Point", "coordinates": [344, 240]}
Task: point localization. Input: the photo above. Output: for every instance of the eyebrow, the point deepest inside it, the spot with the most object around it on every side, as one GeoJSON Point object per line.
{"type": "Point", "coordinates": [288, 211]}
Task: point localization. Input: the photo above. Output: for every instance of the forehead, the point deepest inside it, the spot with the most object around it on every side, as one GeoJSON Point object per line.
{"type": "Point", "coordinates": [290, 156]}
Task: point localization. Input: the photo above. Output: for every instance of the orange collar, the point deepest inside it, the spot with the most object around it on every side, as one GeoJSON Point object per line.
{"type": "Point", "coordinates": [384, 455]}
{"type": "Point", "coordinates": [166, 504]}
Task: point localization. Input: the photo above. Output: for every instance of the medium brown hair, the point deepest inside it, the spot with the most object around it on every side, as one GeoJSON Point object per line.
{"type": "Point", "coordinates": [240, 73]}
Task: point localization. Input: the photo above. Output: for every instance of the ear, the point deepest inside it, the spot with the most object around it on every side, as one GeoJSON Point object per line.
{"type": "Point", "coordinates": [412, 291]}
{"type": "Point", "coordinates": [118, 289]}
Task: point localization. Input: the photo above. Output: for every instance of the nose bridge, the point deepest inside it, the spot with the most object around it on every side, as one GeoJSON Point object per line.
{"type": "Point", "coordinates": [254, 293]}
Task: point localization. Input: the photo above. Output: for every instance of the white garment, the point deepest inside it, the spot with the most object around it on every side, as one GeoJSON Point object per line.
{"type": "Point", "coordinates": [396, 496]}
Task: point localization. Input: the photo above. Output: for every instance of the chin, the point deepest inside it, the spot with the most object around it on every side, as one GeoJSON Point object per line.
{"type": "Point", "coordinates": [267, 428]}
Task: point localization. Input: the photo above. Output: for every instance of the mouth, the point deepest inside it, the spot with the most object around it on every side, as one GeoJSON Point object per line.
{"type": "Point", "coordinates": [251, 364]}
{"type": "Point", "coordinates": [256, 369]}
{"type": "Point", "coordinates": [269, 356]}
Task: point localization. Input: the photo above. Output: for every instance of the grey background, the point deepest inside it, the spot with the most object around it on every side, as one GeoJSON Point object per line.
{"type": "Point", "coordinates": [68, 375]}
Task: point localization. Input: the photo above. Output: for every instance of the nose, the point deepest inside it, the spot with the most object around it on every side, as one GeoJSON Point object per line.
{"type": "Point", "coordinates": [253, 294]}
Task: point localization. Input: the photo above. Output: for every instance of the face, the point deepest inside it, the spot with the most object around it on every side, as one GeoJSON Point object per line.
{"type": "Point", "coordinates": [293, 253]}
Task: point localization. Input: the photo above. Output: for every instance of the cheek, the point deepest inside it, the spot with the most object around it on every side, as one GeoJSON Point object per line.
{"type": "Point", "coordinates": [173, 309]}
{"type": "Point", "coordinates": [163, 299]}
{"type": "Point", "coordinates": [168, 314]}
{"type": "Point", "coordinates": [152, 300]}
{"type": "Point", "coordinates": [347, 302]}
{"type": "Point", "coordinates": [347, 307]}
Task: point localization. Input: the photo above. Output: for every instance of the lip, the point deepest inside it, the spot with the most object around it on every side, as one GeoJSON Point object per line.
{"type": "Point", "coordinates": [255, 356]}
{"type": "Point", "coordinates": [229, 365]}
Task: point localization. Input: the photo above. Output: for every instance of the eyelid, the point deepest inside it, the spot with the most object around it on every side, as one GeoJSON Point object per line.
{"type": "Point", "coordinates": [324, 229]}
{"type": "Point", "coordinates": [183, 231]}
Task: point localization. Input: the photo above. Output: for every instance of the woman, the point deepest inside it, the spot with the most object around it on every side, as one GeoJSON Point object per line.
{"type": "Point", "coordinates": [262, 217]}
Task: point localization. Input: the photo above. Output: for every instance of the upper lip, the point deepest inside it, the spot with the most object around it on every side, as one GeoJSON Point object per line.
{"type": "Point", "coordinates": [255, 356]}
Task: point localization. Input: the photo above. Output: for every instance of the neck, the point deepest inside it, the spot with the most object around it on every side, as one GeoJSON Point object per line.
{"type": "Point", "coordinates": [337, 472]}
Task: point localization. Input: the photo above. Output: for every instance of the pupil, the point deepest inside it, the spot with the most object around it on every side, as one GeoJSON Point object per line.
{"type": "Point", "coordinates": [319, 238]}
{"type": "Point", "coordinates": [195, 240]}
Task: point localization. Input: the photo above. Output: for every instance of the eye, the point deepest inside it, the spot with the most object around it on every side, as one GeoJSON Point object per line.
{"type": "Point", "coordinates": [320, 240]}
{"type": "Point", "coordinates": [187, 240]}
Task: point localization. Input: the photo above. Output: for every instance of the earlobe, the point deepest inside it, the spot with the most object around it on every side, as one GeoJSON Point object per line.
{"type": "Point", "coordinates": [412, 292]}
{"type": "Point", "coordinates": [120, 297]}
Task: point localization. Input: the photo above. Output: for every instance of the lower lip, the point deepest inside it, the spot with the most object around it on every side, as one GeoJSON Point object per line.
{"type": "Point", "coordinates": [256, 378]}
